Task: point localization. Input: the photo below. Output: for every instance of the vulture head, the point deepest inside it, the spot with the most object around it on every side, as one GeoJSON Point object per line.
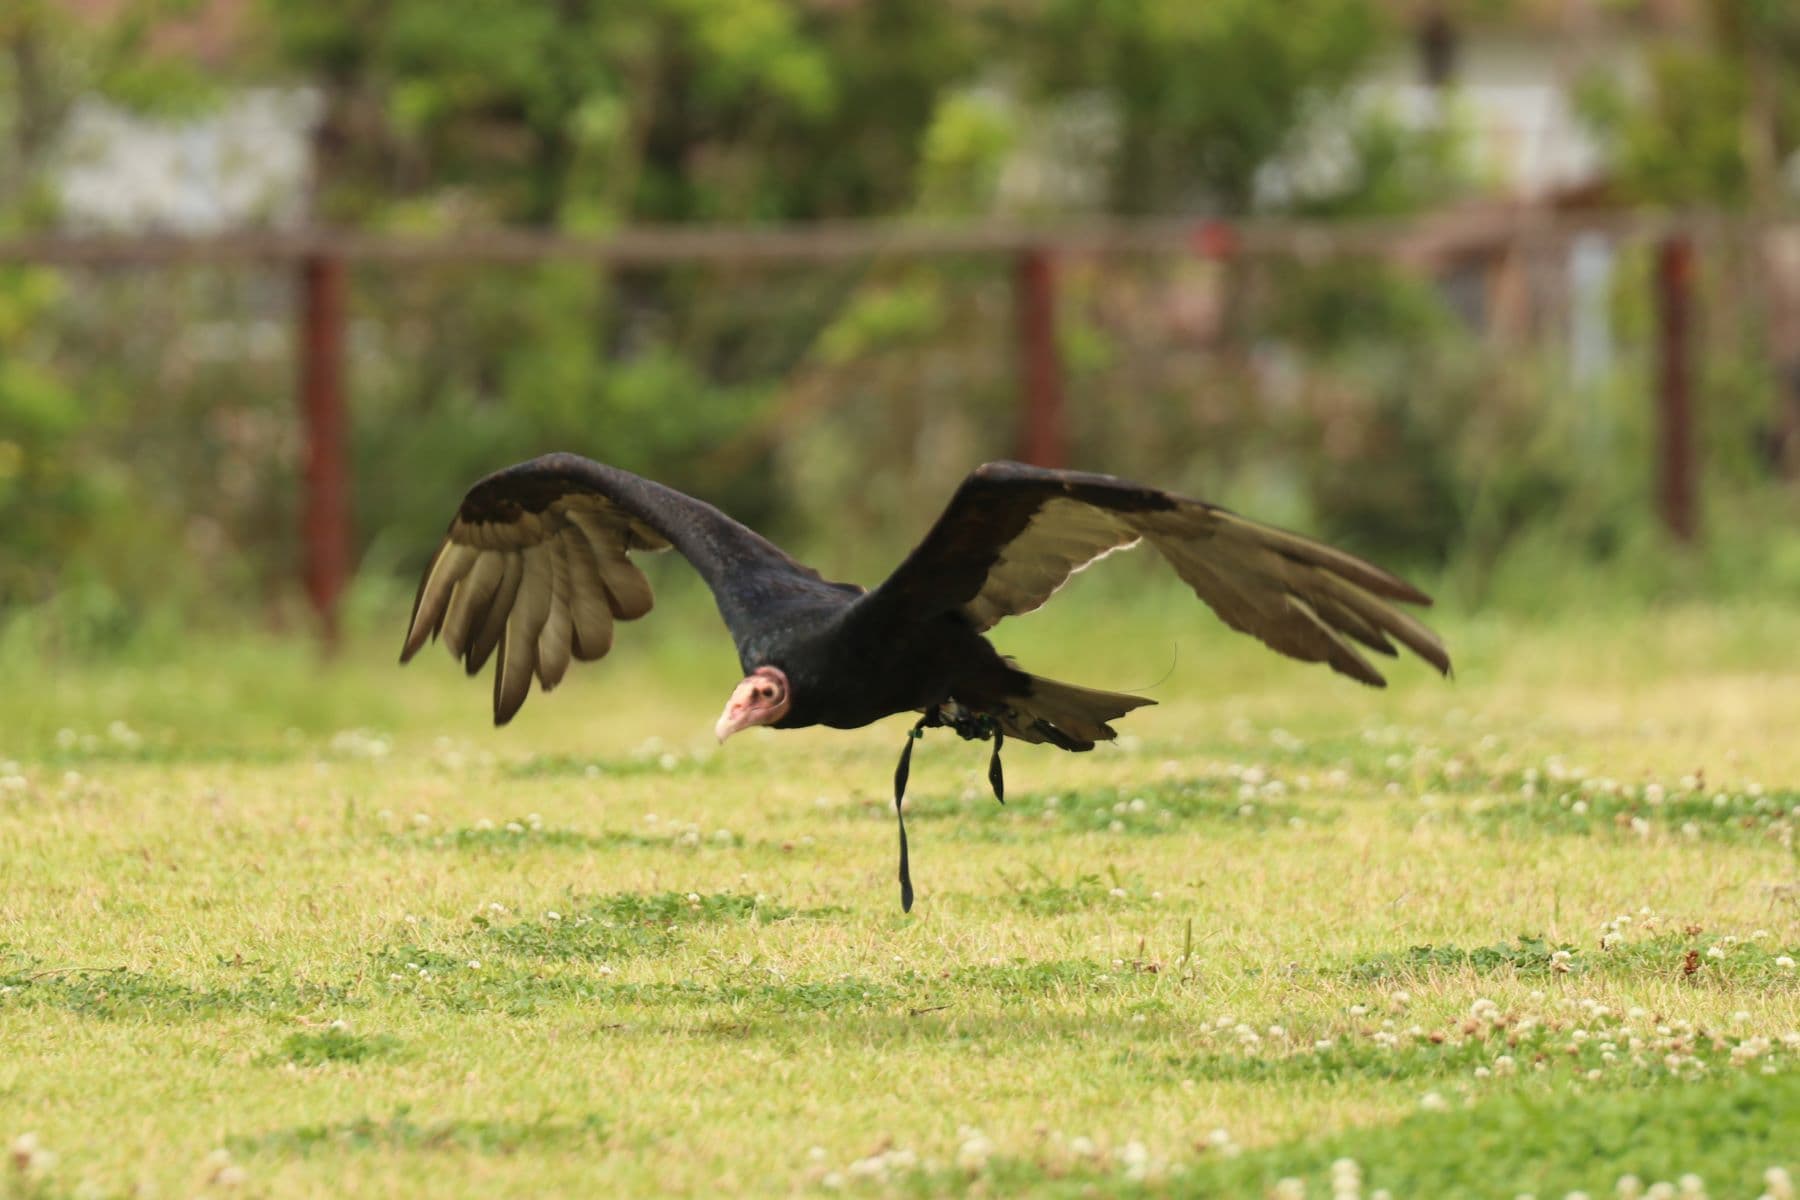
{"type": "Point", "coordinates": [761, 699]}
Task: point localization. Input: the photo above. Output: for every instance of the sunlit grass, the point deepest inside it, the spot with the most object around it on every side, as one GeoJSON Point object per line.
{"type": "Point", "coordinates": [294, 929]}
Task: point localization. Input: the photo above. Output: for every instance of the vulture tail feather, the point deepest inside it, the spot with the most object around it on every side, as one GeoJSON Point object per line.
{"type": "Point", "coordinates": [1067, 715]}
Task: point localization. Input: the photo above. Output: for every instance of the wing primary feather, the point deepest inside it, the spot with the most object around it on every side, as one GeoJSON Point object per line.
{"type": "Point", "coordinates": [589, 608]}
{"type": "Point", "coordinates": [493, 626]}
{"type": "Point", "coordinates": [1347, 622]}
{"type": "Point", "coordinates": [555, 638]}
{"type": "Point", "coordinates": [1396, 623]}
{"type": "Point", "coordinates": [519, 646]}
{"type": "Point", "coordinates": [469, 604]}
{"type": "Point", "coordinates": [627, 590]}
{"type": "Point", "coordinates": [1335, 650]}
{"type": "Point", "coordinates": [451, 562]}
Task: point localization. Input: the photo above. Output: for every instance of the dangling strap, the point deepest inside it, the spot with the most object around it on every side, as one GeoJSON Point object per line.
{"type": "Point", "coordinates": [996, 778]}
{"type": "Point", "coordinates": [900, 774]}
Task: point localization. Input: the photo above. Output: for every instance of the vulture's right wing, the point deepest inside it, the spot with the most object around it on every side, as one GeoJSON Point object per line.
{"type": "Point", "coordinates": [1012, 535]}
{"type": "Point", "coordinates": [536, 565]}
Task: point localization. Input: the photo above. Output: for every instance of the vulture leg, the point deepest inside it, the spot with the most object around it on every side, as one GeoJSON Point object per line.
{"type": "Point", "coordinates": [900, 773]}
{"type": "Point", "coordinates": [996, 778]}
{"type": "Point", "coordinates": [971, 727]}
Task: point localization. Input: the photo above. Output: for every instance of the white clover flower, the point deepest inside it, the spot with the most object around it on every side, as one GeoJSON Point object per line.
{"type": "Point", "coordinates": [29, 1157]}
{"type": "Point", "coordinates": [1629, 1187]}
{"type": "Point", "coordinates": [1290, 1189]}
{"type": "Point", "coordinates": [1779, 1184]}
{"type": "Point", "coordinates": [1433, 1102]}
{"type": "Point", "coordinates": [553, 915]}
{"type": "Point", "coordinates": [1692, 1185]}
{"type": "Point", "coordinates": [974, 1152]}
{"type": "Point", "coordinates": [1785, 962]}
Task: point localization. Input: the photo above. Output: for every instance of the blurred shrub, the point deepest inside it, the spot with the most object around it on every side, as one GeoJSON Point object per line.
{"type": "Point", "coordinates": [149, 443]}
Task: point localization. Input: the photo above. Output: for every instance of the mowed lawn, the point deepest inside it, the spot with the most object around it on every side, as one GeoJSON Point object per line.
{"type": "Point", "coordinates": [300, 930]}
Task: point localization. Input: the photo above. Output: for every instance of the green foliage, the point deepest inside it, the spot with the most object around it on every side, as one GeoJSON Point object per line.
{"type": "Point", "coordinates": [1206, 93]}
{"type": "Point", "coordinates": [1720, 114]}
{"type": "Point", "coordinates": [592, 112]}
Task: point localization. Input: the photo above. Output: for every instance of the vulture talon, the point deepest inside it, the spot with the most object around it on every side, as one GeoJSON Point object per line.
{"type": "Point", "coordinates": [535, 572]}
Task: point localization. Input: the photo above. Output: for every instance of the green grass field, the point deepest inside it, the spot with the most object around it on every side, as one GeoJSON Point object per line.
{"type": "Point", "coordinates": [294, 930]}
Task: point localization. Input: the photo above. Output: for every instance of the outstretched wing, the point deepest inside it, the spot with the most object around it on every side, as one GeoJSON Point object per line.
{"type": "Point", "coordinates": [1012, 535]}
{"type": "Point", "coordinates": [536, 567]}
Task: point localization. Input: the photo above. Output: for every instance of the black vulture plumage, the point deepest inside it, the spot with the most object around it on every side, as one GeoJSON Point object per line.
{"type": "Point", "coordinates": [536, 568]}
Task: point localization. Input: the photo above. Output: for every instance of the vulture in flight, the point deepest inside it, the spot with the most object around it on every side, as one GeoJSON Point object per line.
{"type": "Point", "coordinates": [536, 568]}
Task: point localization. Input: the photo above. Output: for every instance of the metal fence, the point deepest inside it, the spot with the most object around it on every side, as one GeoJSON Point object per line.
{"type": "Point", "coordinates": [1507, 255]}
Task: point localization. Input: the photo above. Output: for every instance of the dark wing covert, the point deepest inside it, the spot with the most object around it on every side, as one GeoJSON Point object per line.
{"type": "Point", "coordinates": [1013, 534]}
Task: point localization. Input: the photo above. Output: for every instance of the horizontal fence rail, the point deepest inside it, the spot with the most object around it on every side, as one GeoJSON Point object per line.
{"type": "Point", "coordinates": [830, 241]}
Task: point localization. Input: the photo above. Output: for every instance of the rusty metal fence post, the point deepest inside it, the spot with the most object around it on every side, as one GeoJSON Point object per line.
{"type": "Point", "coordinates": [325, 503]}
{"type": "Point", "coordinates": [1043, 427]}
{"type": "Point", "coordinates": [1677, 494]}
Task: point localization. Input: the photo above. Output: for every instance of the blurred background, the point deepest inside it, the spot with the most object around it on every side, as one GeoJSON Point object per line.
{"type": "Point", "coordinates": [1505, 293]}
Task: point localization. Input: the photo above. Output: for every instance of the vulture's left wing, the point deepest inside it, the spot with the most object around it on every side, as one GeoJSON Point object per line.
{"type": "Point", "coordinates": [1012, 535]}
{"type": "Point", "coordinates": [536, 566]}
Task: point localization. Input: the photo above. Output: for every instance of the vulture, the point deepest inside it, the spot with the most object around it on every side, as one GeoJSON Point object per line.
{"type": "Point", "coordinates": [536, 569]}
